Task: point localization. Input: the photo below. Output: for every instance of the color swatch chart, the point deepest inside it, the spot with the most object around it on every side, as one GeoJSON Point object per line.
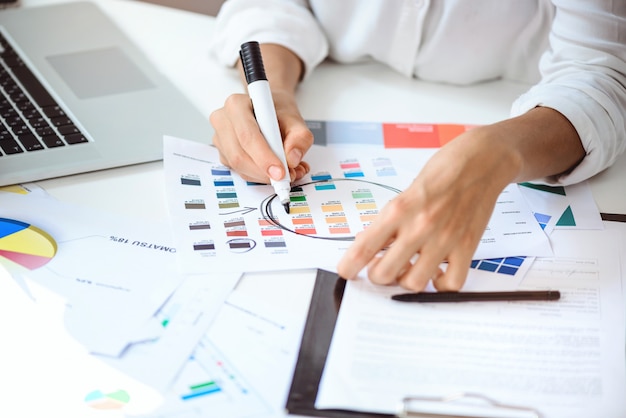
{"type": "Point", "coordinates": [507, 265]}
{"type": "Point", "coordinates": [387, 135]}
{"type": "Point", "coordinates": [223, 223]}
{"type": "Point", "coordinates": [223, 220]}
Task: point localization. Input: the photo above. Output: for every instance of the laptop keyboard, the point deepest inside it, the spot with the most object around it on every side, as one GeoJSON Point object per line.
{"type": "Point", "coordinates": [30, 118]}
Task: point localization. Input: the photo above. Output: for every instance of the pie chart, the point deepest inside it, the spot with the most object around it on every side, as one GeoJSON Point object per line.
{"type": "Point", "coordinates": [101, 400]}
{"type": "Point", "coordinates": [25, 245]}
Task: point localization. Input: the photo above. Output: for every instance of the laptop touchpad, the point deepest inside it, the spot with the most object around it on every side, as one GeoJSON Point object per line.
{"type": "Point", "coordinates": [99, 72]}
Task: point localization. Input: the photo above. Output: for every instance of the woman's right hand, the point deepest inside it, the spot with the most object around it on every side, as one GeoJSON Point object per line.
{"type": "Point", "coordinates": [238, 138]}
{"type": "Point", "coordinates": [243, 148]}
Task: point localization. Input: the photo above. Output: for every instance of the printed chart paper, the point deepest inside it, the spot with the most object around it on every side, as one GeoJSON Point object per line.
{"type": "Point", "coordinates": [223, 223]}
{"type": "Point", "coordinates": [563, 207]}
{"type": "Point", "coordinates": [113, 272]}
{"type": "Point", "coordinates": [179, 325]}
{"type": "Point", "coordinates": [243, 364]}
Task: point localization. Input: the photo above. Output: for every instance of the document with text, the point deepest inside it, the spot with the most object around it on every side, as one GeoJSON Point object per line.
{"type": "Point", "coordinates": [562, 358]}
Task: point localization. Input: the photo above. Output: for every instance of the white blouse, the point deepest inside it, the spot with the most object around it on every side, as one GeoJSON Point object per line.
{"type": "Point", "coordinates": [573, 51]}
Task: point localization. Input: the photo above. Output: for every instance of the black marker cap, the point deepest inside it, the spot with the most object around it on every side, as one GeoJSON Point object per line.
{"type": "Point", "coordinates": [250, 54]}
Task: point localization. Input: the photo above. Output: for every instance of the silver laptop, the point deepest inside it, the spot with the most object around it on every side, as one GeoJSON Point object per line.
{"type": "Point", "coordinates": [78, 96]}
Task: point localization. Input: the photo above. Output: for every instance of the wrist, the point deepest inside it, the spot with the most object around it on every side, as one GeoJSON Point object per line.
{"type": "Point", "coordinates": [492, 150]}
{"type": "Point", "coordinates": [480, 158]}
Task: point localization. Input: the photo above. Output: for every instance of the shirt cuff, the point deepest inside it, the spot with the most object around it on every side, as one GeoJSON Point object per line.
{"type": "Point", "coordinates": [591, 121]}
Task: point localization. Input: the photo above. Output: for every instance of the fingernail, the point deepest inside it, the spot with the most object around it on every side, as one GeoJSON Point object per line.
{"type": "Point", "coordinates": [294, 158]}
{"type": "Point", "coordinates": [275, 172]}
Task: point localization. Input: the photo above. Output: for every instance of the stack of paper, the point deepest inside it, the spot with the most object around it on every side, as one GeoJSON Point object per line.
{"type": "Point", "coordinates": [223, 223]}
{"type": "Point", "coordinates": [123, 297]}
{"type": "Point", "coordinates": [172, 330]}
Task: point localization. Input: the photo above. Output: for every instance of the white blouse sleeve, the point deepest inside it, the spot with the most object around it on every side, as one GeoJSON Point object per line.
{"type": "Point", "coordinates": [289, 23]}
{"type": "Point", "coordinates": [584, 78]}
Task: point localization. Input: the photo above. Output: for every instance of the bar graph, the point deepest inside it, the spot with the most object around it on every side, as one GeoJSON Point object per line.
{"type": "Point", "coordinates": [201, 389]}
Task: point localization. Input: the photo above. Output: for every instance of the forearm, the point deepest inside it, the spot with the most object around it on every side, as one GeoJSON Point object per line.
{"type": "Point", "coordinates": [584, 78]}
{"type": "Point", "coordinates": [540, 143]}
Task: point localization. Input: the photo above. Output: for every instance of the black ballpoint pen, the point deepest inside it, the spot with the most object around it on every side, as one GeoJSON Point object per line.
{"type": "Point", "coordinates": [431, 297]}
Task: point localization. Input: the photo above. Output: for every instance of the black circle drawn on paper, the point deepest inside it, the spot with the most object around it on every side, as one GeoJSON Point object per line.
{"type": "Point", "coordinates": [268, 213]}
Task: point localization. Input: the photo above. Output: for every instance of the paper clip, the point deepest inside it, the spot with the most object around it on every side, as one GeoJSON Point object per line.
{"type": "Point", "coordinates": [463, 405]}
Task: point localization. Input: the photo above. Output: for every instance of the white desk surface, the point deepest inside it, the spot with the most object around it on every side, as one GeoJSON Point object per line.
{"type": "Point", "coordinates": [177, 41]}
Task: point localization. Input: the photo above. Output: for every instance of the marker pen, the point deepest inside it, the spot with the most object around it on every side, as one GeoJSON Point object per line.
{"type": "Point", "coordinates": [265, 112]}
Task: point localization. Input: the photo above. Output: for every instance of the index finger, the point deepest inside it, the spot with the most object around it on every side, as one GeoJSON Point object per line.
{"type": "Point", "coordinates": [365, 247]}
{"type": "Point", "coordinates": [297, 138]}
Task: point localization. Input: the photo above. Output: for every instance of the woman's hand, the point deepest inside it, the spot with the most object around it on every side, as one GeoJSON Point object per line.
{"type": "Point", "coordinates": [244, 149]}
{"type": "Point", "coordinates": [443, 214]}
{"type": "Point", "coordinates": [238, 137]}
